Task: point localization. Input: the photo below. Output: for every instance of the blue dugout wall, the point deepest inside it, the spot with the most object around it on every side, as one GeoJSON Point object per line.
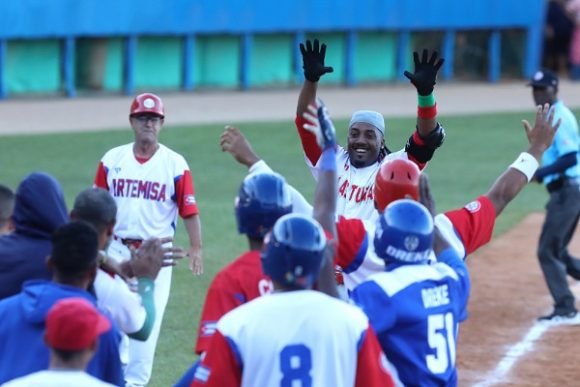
{"type": "Point", "coordinates": [188, 20]}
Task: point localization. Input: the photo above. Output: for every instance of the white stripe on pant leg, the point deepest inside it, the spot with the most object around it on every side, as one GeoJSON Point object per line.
{"type": "Point", "coordinates": [142, 353]}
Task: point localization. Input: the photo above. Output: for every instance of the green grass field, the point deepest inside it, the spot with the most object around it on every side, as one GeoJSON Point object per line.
{"type": "Point", "coordinates": [476, 151]}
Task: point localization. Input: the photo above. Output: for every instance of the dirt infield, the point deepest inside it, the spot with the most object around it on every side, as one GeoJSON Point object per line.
{"type": "Point", "coordinates": [501, 344]}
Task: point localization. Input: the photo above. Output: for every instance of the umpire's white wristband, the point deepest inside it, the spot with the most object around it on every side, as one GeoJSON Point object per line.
{"type": "Point", "coordinates": [526, 164]}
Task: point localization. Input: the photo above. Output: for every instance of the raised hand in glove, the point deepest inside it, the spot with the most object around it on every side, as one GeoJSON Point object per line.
{"type": "Point", "coordinates": [313, 60]}
{"type": "Point", "coordinates": [318, 122]}
{"type": "Point", "coordinates": [425, 74]}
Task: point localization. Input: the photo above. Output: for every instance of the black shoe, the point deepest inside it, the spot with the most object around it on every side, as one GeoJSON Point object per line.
{"type": "Point", "coordinates": [561, 317]}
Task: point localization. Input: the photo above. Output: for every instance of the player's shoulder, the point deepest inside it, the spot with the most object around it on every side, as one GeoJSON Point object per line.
{"type": "Point", "coordinates": [237, 318]}
{"type": "Point", "coordinates": [170, 152]}
{"type": "Point", "coordinates": [335, 309]}
{"type": "Point", "coordinates": [118, 151]}
{"type": "Point", "coordinates": [241, 266]}
{"type": "Point", "coordinates": [346, 311]}
{"type": "Point", "coordinates": [400, 154]}
{"type": "Point", "coordinates": [403, 277]}
{"type": "Point", "coordinates": [568, 119]}
{"type": "Point", "coordinates": [444, 270]}
{"type": "Point", "coordinates": [171, 156]}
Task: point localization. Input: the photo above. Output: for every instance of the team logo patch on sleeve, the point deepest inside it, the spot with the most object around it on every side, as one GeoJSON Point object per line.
{"type": "Point", "coordinates": [473, 206]}
{"type": "Point", "coordinates": [189, 200]}
{"type": "Point", "coordinates": [208, 328]}
{"type": "Point", "coordinates": [202, 374]}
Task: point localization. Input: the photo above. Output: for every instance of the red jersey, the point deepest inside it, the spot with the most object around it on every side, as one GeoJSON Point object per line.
{"type": "Point", "coordinates": [239, 282]}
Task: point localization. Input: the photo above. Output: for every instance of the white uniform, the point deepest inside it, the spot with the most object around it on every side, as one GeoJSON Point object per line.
{"type": "Point", "coordinates": [302, 337]}
{"type": "Point", "coordinates": [123, 305]}
{"type": "Point", "coordinates": [149, 195]}
{"type": "Point", "coordinates": [61, 378]}
{"type": "Point", "coordinates": [355, 185]}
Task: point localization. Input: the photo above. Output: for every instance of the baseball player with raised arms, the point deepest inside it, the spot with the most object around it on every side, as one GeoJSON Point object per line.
{"type": "Point", "coordinates": [151, 185]}
{"type": "Point", "coordinates": [415, 307]}
{"type": "Point", "coordinates": [285, 338]}
{"type": "Point", "coordinates": [466, 228]}
{"type": "Point", "coordinates": [366, 149]}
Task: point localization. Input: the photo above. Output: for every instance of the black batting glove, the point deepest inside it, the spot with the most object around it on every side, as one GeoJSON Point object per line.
{"type": "Point", "coordinates": [425, 74]}
{"type": "Point", "coordinates": [313, 60]}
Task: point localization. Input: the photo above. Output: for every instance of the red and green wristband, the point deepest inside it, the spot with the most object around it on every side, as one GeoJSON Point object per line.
{"type": "Point", "coordinates": [427, 107]}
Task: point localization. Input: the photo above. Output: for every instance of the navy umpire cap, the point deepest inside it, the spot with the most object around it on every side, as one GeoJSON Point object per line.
{"type": "Point", "coordinates": [544, 78]}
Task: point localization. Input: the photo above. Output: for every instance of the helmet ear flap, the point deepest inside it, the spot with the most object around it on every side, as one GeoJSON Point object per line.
{"type": "Point", "coordinates": [396, 179]}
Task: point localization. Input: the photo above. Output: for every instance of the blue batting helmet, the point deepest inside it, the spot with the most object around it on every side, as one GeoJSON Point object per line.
{"type": "Point", "coordinates": [404, 232]}
{"type": "Point", "coordinates": [293, 251]}
{"type": "Point", "coordinates": [263, 198]}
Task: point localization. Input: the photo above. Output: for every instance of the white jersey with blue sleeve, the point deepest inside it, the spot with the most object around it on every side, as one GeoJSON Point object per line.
{"type": "Point", "coordinates": [415, 310]}
{"type": "Point", "coordinates": [303, 338]}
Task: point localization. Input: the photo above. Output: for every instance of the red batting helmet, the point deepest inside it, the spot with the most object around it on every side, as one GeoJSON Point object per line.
{"type": "Point", "coordinates": [147, 103]}
{"type": "Point", "coordinates": [397, 179]}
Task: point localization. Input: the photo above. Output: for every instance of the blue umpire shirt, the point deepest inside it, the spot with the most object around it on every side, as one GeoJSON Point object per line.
{"type": "Point", "coordinates": [565, 141]}
{"type": "Point", "coordinates": [415, 310]}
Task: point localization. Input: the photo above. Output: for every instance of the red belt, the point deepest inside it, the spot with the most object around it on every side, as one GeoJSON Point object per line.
{"type": "Point", "coordinates": [129, 242]}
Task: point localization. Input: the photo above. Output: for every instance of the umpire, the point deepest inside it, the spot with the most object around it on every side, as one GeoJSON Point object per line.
{"type": "Point", "coordinates": [560, 172]}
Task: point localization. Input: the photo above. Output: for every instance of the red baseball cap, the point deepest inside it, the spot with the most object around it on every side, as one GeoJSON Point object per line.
{"type": "Point", "coordinates": [73, 324]}
{"type": "Point", "coordinates": [147, 103]}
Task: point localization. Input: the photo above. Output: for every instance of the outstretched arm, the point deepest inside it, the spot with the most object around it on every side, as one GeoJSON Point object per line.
{"type": "Point", "coordinates": [318, 122]}
{"type": "Point", "coordinates": [233, 141]}
{"type": "Point", "coordinates": [313, 56]}
{"type": "Point", "coordinates": [518, 174]}
{"type": "Point", "coordinates": [429, 135]}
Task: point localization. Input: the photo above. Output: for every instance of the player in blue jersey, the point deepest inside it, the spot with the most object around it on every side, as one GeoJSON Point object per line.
{"type": "Point", "coordinates": [415, 307]}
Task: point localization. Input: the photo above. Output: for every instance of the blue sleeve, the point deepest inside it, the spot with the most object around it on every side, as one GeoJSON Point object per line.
{"type": "Point", "coordinates": [376, 304]}
{"type": "Point", "coordinates": [560, 165]}
{"type": "Point", "coordinates": [450, 257]}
